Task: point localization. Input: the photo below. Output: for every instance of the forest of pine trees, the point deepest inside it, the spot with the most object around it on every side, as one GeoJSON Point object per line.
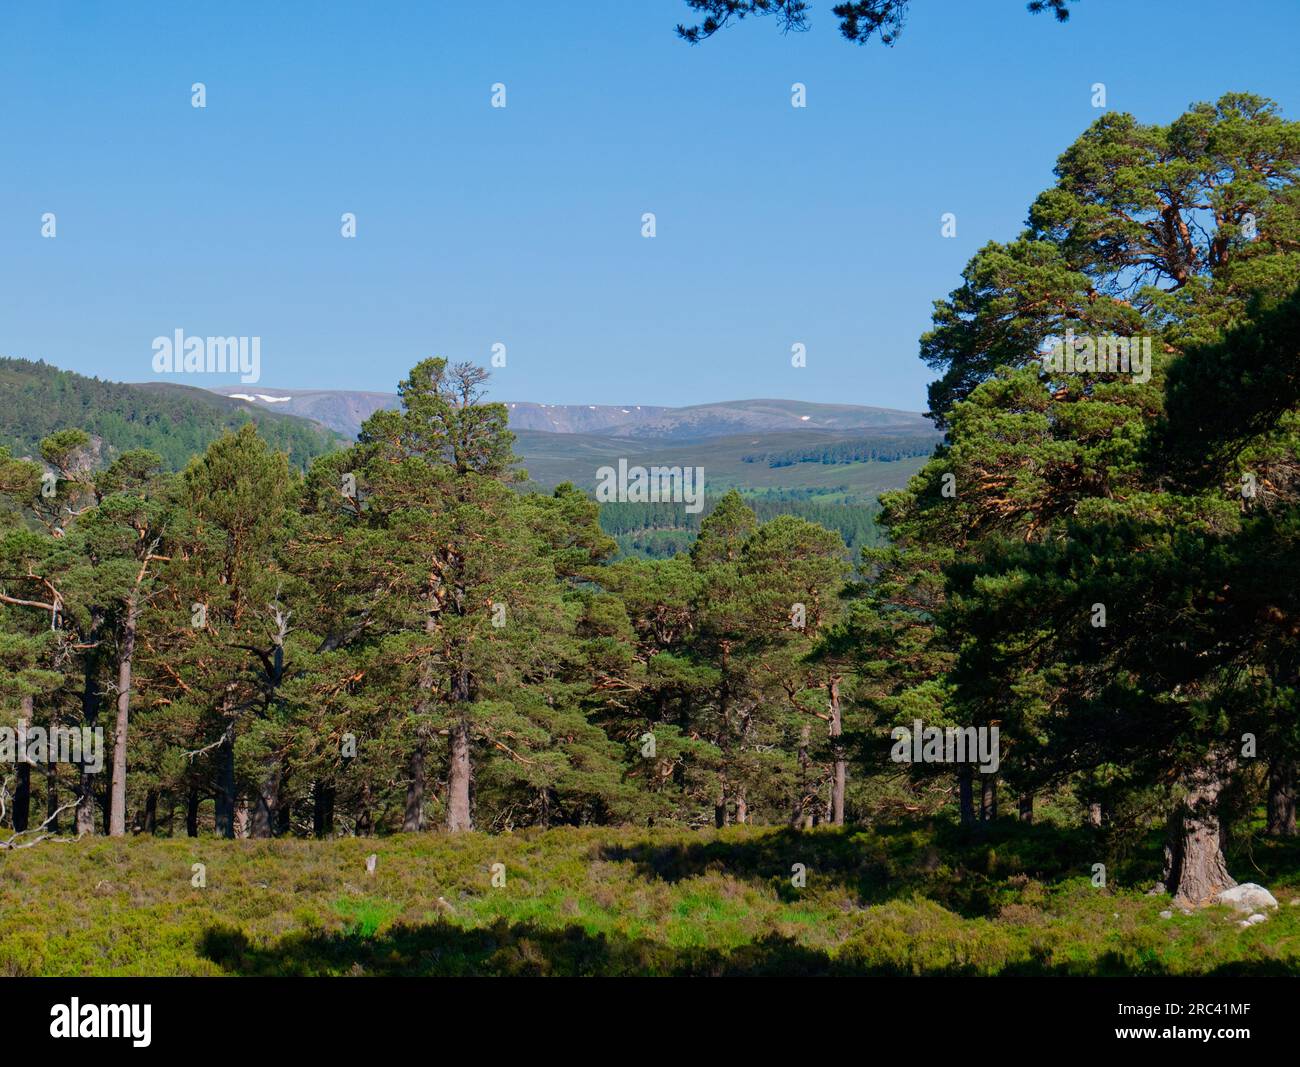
{"type": "Point", "coordinates": [1106, 569]}
{"type": "Point", "coordinates": [883, 449]}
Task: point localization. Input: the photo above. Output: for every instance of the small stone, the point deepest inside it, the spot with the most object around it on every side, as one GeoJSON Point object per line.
{"type": "Point", "coordinates": [1256, 919]}
{"type": "Point", "coordinates": [371, 860]}
{"type": "Point", "coordinates": [1247, 897]}
{"type": "Point", "coordinates": [1166, 914]}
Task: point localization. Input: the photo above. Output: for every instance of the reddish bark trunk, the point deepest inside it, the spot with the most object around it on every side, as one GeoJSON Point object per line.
{"type": "Point", "coordinates": [1196, 871]}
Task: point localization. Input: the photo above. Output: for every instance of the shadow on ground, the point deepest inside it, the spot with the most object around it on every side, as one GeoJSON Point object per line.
{"type": "Point", "coordinates": [445, 950]}
{"type": "Point", "coordinates": [972, 872]}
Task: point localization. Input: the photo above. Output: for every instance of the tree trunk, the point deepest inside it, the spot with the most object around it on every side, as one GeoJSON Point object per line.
{"type": "Point", "coordinates": [1281, 798]}
{"type": "Point", "coordinates": [965, 796]}
{"type": "Point", "coordinates": [225, 816]}
{"type": "Point", "coordinates": [797, 817]}
{"type": "Point", "coordinates": [322, 819]}
{"type": "Point", "coordinates": [90, 715]}
{"type": "Point", "coordinates": [1195, 868]}
{"type": "Point", "coordinates": [117, 803]}
{"type": "Point", "coordinates": [192, 814]}
{"type": "Point", "coordinates": [458, 816]}
{"type": "Point", "coordinates": [106, 800]}
{"type": "Point", "coordinates": [51, 796]}
{"type": "Point", "coordinates": [458, 774]}
{"type": "Point", "coordinates": [840, 767]}
{"type": "Point", "coordinates": [243, 817]}
{"type": "Point", "coordinates": [266, 805]}
{"type": "Point", "coordinates": [413, 816]}
{"type": "Point", "coordinates": [23, 787]}
{"type": "Point", "coordinates": [1026, 807]}
{"type": "Point", "coordinates": [22, 802]}
{"type": "Point", "coordinates": [149, 822]}
{"type": "Point", "coordinates": [283, 811]}
{"type": "Point", "coordinates": [364, 824]}
{"type": "Point", "coordinates": [1094, 815]}
{"type": "Point", "coordinates": [988, 798]}
{"type": "Point", "coordinates": [85, 812]}
{"type": "Point", "coordinates": [742, 807]}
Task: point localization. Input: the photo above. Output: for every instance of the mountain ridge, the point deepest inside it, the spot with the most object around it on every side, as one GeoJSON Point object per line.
{"type": "Point", "coordinates": [345, 410]}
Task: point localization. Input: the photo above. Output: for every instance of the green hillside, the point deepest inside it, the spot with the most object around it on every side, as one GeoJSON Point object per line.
{"type": "Point", "coordinates": [176, 421]}
{"type": "Point", "coordinates": [830, 478]}
{"type": "Point", "coordinates": [781, 460]}
{"type": "Point", "coordinates": [660, 531]}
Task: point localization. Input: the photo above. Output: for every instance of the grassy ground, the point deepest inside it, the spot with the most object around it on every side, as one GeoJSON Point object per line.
{"type": "Point", "coordinates": [913, 899]}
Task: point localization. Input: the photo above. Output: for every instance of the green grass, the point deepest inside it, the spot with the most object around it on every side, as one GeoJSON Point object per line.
{"type": "Point", "coordinates": [918, 898]}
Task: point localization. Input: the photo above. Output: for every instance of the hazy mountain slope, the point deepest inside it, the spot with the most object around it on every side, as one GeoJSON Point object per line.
{"type": "Point", "coordinates": [176, 421]}
{"type": "Point", "coordinates": [344, 411]}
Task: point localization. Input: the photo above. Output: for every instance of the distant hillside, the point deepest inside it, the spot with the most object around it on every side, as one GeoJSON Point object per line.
{"type": "Point", "coordinates": [829, 478]}
{"type": "Point", "coordinates": [711, 420]}
{"type": "Point", "coordinates": [767, 462]}
{"type": "Point", "coordinates": [660, 531]}
{"type": "Point", "coordinates": [342, 410]}
{"type": "Point", "coordinates": [345, 411]}
{"type": "Point", "coordinates": [176, 421]}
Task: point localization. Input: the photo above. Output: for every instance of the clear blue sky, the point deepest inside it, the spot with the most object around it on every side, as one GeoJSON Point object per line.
{"type": "Point", "coordinates": [478, 225]}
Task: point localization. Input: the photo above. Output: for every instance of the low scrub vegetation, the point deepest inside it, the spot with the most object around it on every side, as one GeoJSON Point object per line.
{"type": "Point", "coordinates": [914, 898]}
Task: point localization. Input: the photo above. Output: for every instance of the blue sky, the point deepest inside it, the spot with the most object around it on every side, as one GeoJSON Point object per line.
{"type": "Point", "coordinates": [522, 225]}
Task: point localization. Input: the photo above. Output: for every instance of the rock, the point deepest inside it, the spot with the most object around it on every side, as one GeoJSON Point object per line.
{"type": "Point", "coordinates": [1253, 920]}
{"type": "Point", "coordinates": [1166, 914]}
{"type": "Point", "coordinates": [371, 860]}
{"type": "Point", "coordinates": [1247, 897]}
